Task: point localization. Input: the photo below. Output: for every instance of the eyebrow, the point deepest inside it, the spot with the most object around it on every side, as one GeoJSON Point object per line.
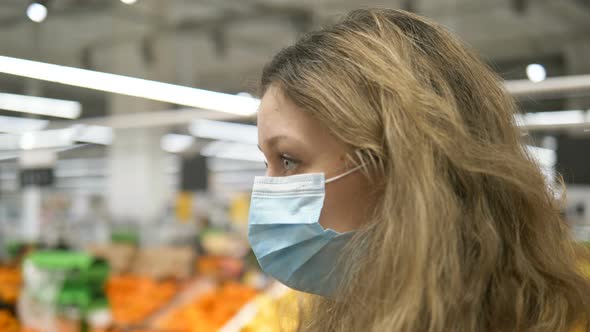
{"type": "Point", "coordinates": [276, 139]}
{"type": "Point", "coordinates": [273, 141]}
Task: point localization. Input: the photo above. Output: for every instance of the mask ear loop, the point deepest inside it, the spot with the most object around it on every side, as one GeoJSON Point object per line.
{"type": "Point", "coordinates": [338, 177]}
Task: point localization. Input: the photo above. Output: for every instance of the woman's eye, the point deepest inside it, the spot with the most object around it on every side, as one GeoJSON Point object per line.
{"type": "Point", "coordinates": [289, 164]}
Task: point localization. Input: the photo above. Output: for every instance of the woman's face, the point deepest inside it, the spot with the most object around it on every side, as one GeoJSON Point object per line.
{"type": "Point", "coordinates": [294, 142]}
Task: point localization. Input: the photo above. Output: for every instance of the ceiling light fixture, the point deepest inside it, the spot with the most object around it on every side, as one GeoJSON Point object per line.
{"type": "Point", "coordinates": [164, 92]}
{"type": "Point", "coordinates": [37, 11]}
{"type": "Point", "coordinates": [175, 143]}
{"type": "Point", "coordinates": [536, 72]}
{"type": "Point", "coordinates": [40, 106]}
{"type": "Point", "coordinates": [552, 118]}
{"type": "Point", "coordinates": [14, 125]}
{"type": "Point", "coordinates": [47, 139]}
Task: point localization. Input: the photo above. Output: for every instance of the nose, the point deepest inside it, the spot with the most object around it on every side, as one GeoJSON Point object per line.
{"type": "Point", "coordinates": [269, 172]}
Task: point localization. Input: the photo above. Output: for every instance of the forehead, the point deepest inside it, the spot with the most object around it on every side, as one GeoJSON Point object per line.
{"type": "Point", "coordinates": [279, 116]}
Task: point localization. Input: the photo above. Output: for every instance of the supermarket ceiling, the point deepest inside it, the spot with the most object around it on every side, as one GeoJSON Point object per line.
{"type": "Point", "coordinates": [222, 44]}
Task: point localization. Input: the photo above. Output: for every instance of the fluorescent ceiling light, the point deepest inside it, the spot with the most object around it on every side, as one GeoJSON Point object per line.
{"type": "Point", "coordinates": [41, 106]}
{"type": "Point", "coordinates": [170, 93]}
{"type": "Point", "coordinates": [552, 118]}
{"type": "Point", "coordinates": [128, 2]}
{"type": "Point", "coordinates": [550, 86]}
{"type": "Point", "coordinates": [226, 131]}
{"type": "Point", "coordinates": [175, 143]}
{"type": "Point", "coordinates": [57, 138]}
{"type": "Point", "coordinates": [544, 157]}
{"type": "Point", "coordinates": [48, 139]}
{"type": "Point", "coordinates": [95, 134]}
{"type": "Point", "coordinates": [14, 125]}
{"type": "Point", "coordinates": [231, 150]}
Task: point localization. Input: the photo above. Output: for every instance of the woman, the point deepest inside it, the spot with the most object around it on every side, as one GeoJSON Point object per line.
{"type": "Point", "coordinates": [398, 188]}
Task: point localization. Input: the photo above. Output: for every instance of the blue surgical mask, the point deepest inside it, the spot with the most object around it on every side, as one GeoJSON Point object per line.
{"type": "Point", "coordinates": [286, 236]}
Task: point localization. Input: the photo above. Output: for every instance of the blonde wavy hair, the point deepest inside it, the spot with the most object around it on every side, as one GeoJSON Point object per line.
{"type": "Point", "coordinates": [466, 235]}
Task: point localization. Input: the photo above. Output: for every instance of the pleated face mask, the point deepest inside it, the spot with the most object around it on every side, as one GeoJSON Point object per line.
{"type": "Point", "coordinates": [286, 236]}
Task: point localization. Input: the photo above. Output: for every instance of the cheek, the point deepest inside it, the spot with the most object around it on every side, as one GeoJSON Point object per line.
{"type": "Point", "coordinates": [346, 204]}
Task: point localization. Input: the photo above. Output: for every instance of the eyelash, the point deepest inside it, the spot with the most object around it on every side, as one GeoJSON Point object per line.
{"type": "Point", "coordinates": [289, 159]}
{"type": "Point", "coordinates": [283, 158]}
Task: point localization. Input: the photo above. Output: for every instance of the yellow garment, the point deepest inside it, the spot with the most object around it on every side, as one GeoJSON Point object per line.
{"type": "Point", "coordinates": [584, 267]}
{"type": "Point", "coordinates": [275, 314]}
{"type": "Point", "coordinates": [579, 328]}
{"type": "Point", "coordinates": [280, 314]}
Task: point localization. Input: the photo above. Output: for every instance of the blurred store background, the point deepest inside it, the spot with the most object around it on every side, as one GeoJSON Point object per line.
{"type": "Point", "coordinates": [124, 198]}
